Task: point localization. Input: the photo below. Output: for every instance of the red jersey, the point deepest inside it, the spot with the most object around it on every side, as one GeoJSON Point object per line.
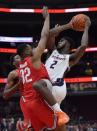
{"type": "Point", "coordinates": [30, 75]}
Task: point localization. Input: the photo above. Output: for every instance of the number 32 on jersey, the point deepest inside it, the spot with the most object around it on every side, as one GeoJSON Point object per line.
{"type": "Point", "coordinates": [25, 73]}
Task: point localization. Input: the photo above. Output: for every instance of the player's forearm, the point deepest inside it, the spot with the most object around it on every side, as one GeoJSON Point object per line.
{"type": "Point", "coordinates": [45, 30]}
{"type": "Point", "coordinates": [75, 57]}
{"type": "Point", "coordinates": [59, 29]}
{"type": "Point", "coordinates": [43, 40]}
{"type": "Point", "coordinates": [84, 41]}
{"type": "Point", "coordinates": [8, 92]}
{"type": "Point", "coordinates": [44, 35]}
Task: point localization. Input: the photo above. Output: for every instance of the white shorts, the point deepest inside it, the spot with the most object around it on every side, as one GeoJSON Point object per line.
{"type": "Point", "coordinates": [59, 92]}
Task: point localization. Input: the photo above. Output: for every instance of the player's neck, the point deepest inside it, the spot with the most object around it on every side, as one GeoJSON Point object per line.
{"type": "Point", "coordinates": [61, 51]}
{"type": "Point", "coordinates": [23, 57]}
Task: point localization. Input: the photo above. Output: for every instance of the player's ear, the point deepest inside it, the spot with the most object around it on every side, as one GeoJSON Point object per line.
{"type": "Point", "coordinates": [13, 63]}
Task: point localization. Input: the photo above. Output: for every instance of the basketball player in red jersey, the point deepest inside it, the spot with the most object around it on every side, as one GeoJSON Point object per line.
{"type": "Point", "coordinates": [13, 81]}
{"type": "Point", "coordinates": [36, 61]}
{"type": "Point", "coordinates": [33, 72]}
{"type": "Point", "coordinates": [12, 86]}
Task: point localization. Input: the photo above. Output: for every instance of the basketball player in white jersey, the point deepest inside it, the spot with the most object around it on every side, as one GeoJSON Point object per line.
{"type": "Point", "coordinates": [60, 60]}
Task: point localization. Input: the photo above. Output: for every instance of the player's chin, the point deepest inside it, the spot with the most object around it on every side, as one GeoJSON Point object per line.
{"type": "Point", "coordinates": [59, 47]}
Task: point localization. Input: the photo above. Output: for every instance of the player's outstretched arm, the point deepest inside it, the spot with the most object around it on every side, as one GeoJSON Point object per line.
{"type": "Point", "coordinates": [58, 29]}
{"type": "Point", "coordinates": [10, 87]}
{"type": "Point", "coordinates": [44, 35]}
{"type": "Point", "coordinates": [75, 57]}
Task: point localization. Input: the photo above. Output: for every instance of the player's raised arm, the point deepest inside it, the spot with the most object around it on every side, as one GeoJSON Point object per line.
{"type": "Point", "coordinates": [44, 35]}
{"type": "Point", "coordinates": [10, 87]}
{"type": "Point", "coordinates": [58, 29]}
{"type": "Point", "coordinates": [75, 57]}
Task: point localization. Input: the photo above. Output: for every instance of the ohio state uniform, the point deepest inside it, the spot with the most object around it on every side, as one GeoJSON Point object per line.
{"type": "Point", "coordinates": [32, 104]}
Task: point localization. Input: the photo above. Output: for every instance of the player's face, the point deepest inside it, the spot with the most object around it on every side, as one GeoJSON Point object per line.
{"type": "Point", "coordinates": [17, 59]}
{"type": "Point", "coordinates": [28, 51]}
{"type": "Point", "coordinates": [63, 45]}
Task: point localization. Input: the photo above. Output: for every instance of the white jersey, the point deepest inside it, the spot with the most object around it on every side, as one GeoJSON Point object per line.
{"type": "Point", "coordinates": [56, 65]}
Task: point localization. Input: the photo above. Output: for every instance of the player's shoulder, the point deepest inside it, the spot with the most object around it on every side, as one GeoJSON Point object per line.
{"type": "Point", "coordinates": [67, 55]}
{"type": "Point", "coordinates": [55, 51]}
{"type": "Point", "coordinates": [27, 58]}
{"type": "Point", "coordinates": [13, 73]}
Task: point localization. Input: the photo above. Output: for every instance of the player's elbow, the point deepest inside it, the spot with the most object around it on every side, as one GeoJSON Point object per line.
{"type": "Point", "coordinates": [5, 96]}
{"type": "Point", "coordinates": [51, 32]}
{"type": "Point", "coordinates": [40, 85]}
{"type": "Point", "coordinates": [36, 86]}
{"type": "Point", "coordinates": [83, 47]}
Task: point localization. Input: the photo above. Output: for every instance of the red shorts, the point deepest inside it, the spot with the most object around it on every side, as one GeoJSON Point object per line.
{"type": "Point", "coordinates": [39, 113]}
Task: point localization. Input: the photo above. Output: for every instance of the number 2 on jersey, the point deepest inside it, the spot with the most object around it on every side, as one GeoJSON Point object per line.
{"type": "Point", "coordinates": [25, 75]}
{"type": "Point", "coordinates": [53, 64]}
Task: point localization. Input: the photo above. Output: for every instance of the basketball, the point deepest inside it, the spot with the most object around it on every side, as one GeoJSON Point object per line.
{"type": "Point", "coordinates": [78, 22]}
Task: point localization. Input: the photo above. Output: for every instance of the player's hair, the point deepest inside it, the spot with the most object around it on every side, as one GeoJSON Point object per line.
{"type": "Point", "coordinates": [21, 48]}
{"type": "Point", "coordinates": [12, 59]}
{"type": "Point", "coordinates": [70, 40]}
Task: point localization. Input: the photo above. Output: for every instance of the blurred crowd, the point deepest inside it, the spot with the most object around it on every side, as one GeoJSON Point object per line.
{"type": "Point", "coordinates": [86, 126]}
{"type": "Point", "coordinates": [9, 124]}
